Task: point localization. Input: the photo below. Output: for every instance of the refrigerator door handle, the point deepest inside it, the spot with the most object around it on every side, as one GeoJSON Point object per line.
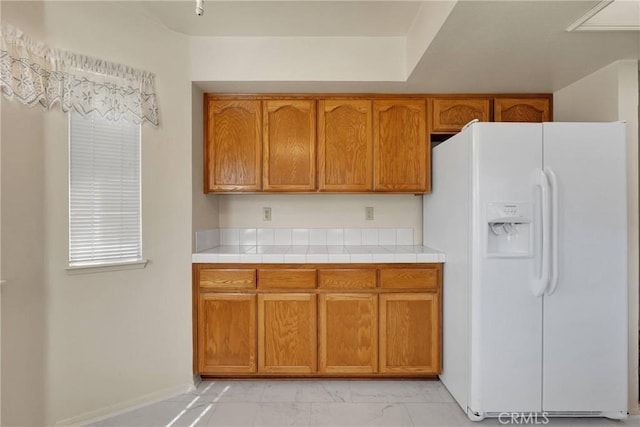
{"type": "Point", "coordinates": [553, 181]}
{"type": "Point", "coordinates": [540, 284]}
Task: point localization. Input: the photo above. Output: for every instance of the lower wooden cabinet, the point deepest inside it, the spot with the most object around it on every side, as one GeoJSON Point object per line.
{"type": "Point", "coordinates": [339, 320]}
{"type": "Point", "coordinates": [226, 333]}
{"type": "Point", "coordinates": [409, 333]}
{"type": "Point", "coordinates": [287, 333]}
{"type": "Point", "coordinates": [348, 333]}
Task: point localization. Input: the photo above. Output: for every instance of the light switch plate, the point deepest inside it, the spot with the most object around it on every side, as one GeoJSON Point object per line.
{"type": "Point", "coordinates": [368, 213]}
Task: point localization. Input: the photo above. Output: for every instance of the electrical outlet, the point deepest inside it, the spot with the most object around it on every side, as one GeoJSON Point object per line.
{"type": "Point", "coordinates": [368, 213]}
{"type": "Point", "coordinates": [266, 214]}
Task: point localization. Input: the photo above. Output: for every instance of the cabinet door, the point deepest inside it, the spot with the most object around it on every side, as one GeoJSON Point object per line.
{"type": "Point", "coordinates": [287, 335]}
{"type": "Point", "coordinates": [450, 115]}
{"type": "Point", "coordinates": [345, 145]}
{"type": "Point", "coordinates": [289, 145]}
{"type": "Point", "coordinates": [226, 333]}
{"type": "Point", "coordinates": [410, 333]}
{"type": "Point", "coordinates": [401, 150]}
{"type": "Point", "coordinates": [233, 145]}
{"type": "Point", "coordinates": [348, 333]}
{"type": "Point", "coordinates": [522, 109]}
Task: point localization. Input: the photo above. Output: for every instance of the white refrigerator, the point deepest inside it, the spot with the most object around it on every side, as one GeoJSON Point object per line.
{"type": "Point", "coordinates": [533, 220]}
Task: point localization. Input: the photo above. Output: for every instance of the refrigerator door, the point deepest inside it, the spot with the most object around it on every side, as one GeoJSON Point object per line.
{"type": "Point", "coordinates": [585, 316]}
{"type": "Point", "coordinates": [506, 318]}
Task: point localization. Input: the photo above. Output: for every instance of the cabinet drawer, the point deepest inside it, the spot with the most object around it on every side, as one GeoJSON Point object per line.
{"type": "Point", "coordinates": [347, 279]}
{"type": "Point", "coordinates": [287, 279]}
{"type": "Point", "coordinates": [228, 278]}
{"type": "Point", "coordinates": [409, 278]}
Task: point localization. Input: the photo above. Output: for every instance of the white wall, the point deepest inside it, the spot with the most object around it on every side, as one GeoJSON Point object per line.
{"type": "Point", "coordinates": [323, 211]}
{"type": "Point", "coordinates": [313, 59]}
{"type": "Point", "coordinates": [612, 94]}
{"type": "Point", "coordinates": [424, 28]}
{"type": "Point", "coordinates": [205, 206]}
{"type": "Point", "coordinates": [86, 344]}
{"type": "Point", "coordinates": [24, 294]}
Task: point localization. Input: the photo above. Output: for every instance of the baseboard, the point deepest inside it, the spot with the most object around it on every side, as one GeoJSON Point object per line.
{"type": "Point", "coordinates": [129, 405]}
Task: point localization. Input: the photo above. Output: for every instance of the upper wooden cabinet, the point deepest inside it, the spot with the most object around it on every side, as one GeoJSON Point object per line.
{"type": "Point", "coordinates": [345, 145]}
{"type": "Point", "coordinates": [400, 146]}
{"type": "Point", "coordinates": [522, 109]}
{"type": "Point", "coordinates": [233, 148]}
{"type": "Point", "coordinates": [342, 143]}
{"type": "Point", "coordinates": [289, 145]}
{"type": "Point", "coordinates": [450, 115]}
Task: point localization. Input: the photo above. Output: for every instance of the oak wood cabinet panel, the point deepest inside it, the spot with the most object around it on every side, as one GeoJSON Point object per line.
{"type": "Point", "coordinates": [409, 333]}
{"type": "Point", "coordinates": [289, 145]}
{"type": "Point", "coordinates": [450, 115]}
{"type": "Point", "coordinates": [233, 145]}
{"type": "Point", "coordinates": [351, 320]}
{"type": "Point", "coordinates": [348, 332]}
{"type": "Point", "coordinates": [522, 109]}
{"type": "Point", "coordinates": [347, 278]}
{"type": "Point", "coordinates": [286, 278]}
{"type": "Point", "coordinates": [287, 333]}
{"type": "Point", "coordinates": [226, 333]}
{"type": "Point", "coordinates": [345, 145]}
{"type": "Point", "coordinates": [400, 146]}
{"type": "Point", "coordinates": [227, 278]}
{"type": "Point", "coordinates": [410, 278]}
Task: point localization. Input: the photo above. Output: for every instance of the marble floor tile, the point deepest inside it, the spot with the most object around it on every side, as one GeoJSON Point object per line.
{"type": "Point", "coordinates": [307, 391]}
{"type": "Point", "coordinates": [359, 414]}
{"type": "Point", "coordinates": [320, 403]}
{"type": "Point", "coordinates": [437, 415]}
{"type": "Point", "coordinates": [233, 414]}
{"type": "Point", "coordinates": [166, 414]}
{"type": "Point", "coordinates": [283, 414]}
{"type": "Point", "coordinates": [399, 392]}
{"type": "Point", "coordinates": [233, 391]}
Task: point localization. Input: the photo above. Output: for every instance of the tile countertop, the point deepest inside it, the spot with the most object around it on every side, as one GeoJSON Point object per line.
{"type": "Point", "coordinates": [316, 254]}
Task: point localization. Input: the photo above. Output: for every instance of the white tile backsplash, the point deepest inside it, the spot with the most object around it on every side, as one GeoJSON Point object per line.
{"type": "Point", "coordinates": [265, 236]}
{"type": "Point", "coordinates": [404, 236]}
{"type": "Point", "coordinates": [335, 236]}
{"type": "Point", "coordinates": [207, 239]}
{"type": "Point", "coordinates": [387, 236]}
{"type": "Point", "coordinates": [352, 236]}
{"type": "Point", "coordinates": [370, 236]}
{"type": "Point", "coordinates": [300, 236]}
{"type": "Point", "coordinates": [282, 236]}
{"type": "Point", "coordinates": [247, 236]}
{"type": "Point", "coordinates": [318, 236]}
{"type": "Point", "coordinates": [229, 236]}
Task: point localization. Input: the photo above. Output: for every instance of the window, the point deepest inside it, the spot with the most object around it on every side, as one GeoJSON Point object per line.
{"type": "Point", "coordinates": [104, 191]}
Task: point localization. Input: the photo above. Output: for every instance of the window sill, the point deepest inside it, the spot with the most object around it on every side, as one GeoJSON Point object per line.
{"type": "Point", "coordinates": [99, 268]}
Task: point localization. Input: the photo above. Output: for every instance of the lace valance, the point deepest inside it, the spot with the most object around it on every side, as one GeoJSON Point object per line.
{"type": "Point", "coordinates": [34, 73]}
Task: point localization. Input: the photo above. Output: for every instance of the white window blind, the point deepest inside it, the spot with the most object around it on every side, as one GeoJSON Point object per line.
{"type": "Point", "coordinates": [104, 191]}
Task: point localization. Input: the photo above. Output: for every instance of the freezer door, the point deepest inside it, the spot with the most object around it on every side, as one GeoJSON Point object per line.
{"type": "Point", "coordinates": [506, 318]}
{"type": "Point", "coordinates": [585, 318]}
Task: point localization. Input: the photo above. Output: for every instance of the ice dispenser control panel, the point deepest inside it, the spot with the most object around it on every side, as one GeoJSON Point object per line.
{"type": "Point", "coordinates": [509, 229]}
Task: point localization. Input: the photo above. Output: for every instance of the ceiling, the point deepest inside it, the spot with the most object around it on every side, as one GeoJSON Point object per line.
{"type": "Point", "coordinates": [288, 18]}
{"type": "Point", "coordinates": [483, 46]}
